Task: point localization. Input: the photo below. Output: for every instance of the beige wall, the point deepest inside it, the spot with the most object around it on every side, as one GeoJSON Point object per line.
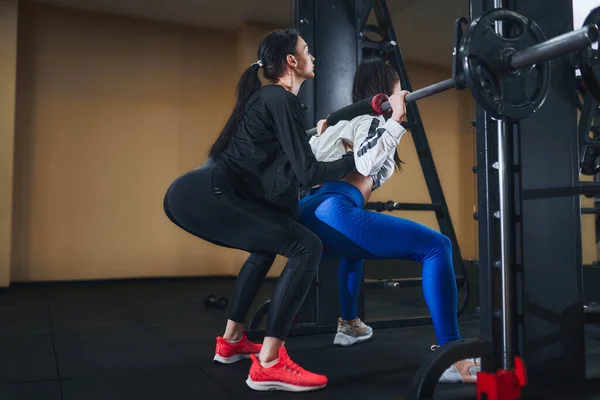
{"type": "Point", "coordinates": [588, 225]}
{"type": "Point", "coordinates": [8, 71]}
{"type": "Point", "coordinates": [588, 228]}
{"type": "Point", "coordinates": [111, 110]}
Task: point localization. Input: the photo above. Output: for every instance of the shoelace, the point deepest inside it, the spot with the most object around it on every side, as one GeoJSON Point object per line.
{"type": "Point", "coordinates": [293, 368]}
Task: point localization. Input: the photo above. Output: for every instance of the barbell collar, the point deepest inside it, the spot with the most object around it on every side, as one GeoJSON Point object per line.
{"type": "Point", "coordinates": [555, 47]}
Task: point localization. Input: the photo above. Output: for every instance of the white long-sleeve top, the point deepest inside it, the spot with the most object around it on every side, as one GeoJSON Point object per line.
{"type": "Point", "coordinates": [373, 139]}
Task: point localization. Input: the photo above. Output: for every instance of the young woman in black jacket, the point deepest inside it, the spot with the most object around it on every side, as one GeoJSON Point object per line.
{"type": "Point", "coordinates": [246, 196]}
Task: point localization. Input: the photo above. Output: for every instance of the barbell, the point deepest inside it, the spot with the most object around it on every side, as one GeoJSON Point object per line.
{"type": "Point", "coordinates": [497, 69]}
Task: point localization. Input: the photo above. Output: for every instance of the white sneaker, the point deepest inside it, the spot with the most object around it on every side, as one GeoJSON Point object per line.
{"type": "Point", "coordinates": [350, 332]}
{"type": "Point", "coordinates": [463, 371]}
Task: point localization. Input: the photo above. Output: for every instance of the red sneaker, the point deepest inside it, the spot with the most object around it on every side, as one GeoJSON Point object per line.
{"type": "Point", "coordinates": [284, 375]}
{"type": "Point", "coordinates": [228, 353]}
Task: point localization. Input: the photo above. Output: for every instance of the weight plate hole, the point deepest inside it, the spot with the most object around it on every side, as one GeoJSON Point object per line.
{"type": "Point", "coordinates": [511, 29]}
{"type": "Point", "coordinates": [488, 83]}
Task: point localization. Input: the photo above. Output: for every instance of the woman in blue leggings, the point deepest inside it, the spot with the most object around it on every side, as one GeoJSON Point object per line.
{"type": "Point", "coordinates": [335, 212]}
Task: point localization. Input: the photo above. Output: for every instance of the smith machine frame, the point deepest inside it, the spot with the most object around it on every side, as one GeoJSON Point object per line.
{"type": "Point", "coordinates": [529, 214]}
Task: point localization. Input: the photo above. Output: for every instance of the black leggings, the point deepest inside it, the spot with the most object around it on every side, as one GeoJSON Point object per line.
{"type": "Point", "coordinates": [204, 203]}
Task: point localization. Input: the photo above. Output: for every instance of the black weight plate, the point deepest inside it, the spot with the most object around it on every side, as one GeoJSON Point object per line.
{"type": "Point", "coordinates": [499, 89]}
{"type": "Point", "coordinates": [590, 59]}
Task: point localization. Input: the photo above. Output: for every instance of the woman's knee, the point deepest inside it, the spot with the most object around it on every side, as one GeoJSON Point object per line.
{"type": "Point", "coordinates": [440, 246]}
{"type": "Point", "coordinates": [261, 261]}
{"type": "Point", "coordinates": [307, 247]}
{"type": "Point", "coordinates": [314, 247]}
{"type": "Point", "coordinates": [263, 258]}
{"type": "Point", "coordinates": [445, 244]}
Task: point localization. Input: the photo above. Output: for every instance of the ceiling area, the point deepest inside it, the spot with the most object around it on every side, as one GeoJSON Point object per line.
{"type": "Point", "coordinates": [423, 27]}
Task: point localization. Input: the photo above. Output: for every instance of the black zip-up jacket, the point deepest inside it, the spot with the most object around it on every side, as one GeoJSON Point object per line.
{"type": "Point", "coordinates": [271, 154]}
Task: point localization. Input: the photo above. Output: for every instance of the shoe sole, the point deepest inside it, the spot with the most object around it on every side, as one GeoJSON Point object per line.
{"type": "Point", "coordinates": [230, 360]}
{"type": "Point", "coordinates": [275, 385]}
{"type": "Point", "coordinates": [345, 340]}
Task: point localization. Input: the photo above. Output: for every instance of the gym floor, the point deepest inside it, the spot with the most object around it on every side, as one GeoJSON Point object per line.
{"type": "Point", "coordinates": [155, 340]}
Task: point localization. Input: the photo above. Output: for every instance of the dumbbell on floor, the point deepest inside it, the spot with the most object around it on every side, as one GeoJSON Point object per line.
{"type": "Point", "coordinates": [211, 301]}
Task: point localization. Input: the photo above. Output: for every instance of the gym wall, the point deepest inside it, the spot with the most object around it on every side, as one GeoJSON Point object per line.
{"type": "Point", "coordinates": [110, 110]}
{"type": "Point", "coordinates": [8, 71]}
{"type": "Point", "coordinates": [591, 251]}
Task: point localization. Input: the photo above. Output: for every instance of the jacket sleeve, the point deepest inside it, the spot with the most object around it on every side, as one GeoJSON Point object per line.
{"type": "Point", "coordinates": [374, 143]}
{"type": "Point", "coordinates": [286, 115]}
{"type": "Point", "coordinates": [385, 172]}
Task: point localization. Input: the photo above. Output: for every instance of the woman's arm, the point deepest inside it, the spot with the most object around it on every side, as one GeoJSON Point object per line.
{"type": "Point", "coordinates": [286, 115]}
{"type": "Point", "coordinates": [385, 172]}
{"type": "Point", "coordinates": [376, 142]}
{"type": "Point", "coordinates": [381, 139]}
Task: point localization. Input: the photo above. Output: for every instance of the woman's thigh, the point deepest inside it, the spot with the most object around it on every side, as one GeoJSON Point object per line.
{"type": "Point", "coordinates": [353, 232]}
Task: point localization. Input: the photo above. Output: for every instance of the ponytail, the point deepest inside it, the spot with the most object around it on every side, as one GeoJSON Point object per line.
{"type": "Point", "coordinates": [272, 53]}
{"type": "Point", "coordinates": [247, 85]}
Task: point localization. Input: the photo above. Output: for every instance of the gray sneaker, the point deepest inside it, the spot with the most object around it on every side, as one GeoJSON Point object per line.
{"type": "Point", "coordinates": [350, 332]}
{"type": "Point", "coordinates": [463, 371]}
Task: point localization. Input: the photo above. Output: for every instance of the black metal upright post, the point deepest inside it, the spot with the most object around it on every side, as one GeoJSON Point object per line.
{"type": "Point", "coordinates": [506, 263]}
{"type": "Point", "coordinates": [551, 296]}
{"type": "Point", "coordinates": [329, 28]}
{"type": "Point", "coordinates": [488, 224]}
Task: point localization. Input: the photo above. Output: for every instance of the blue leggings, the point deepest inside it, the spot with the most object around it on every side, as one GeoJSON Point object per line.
{"type": "Point", "coordinates": [335, 213]}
